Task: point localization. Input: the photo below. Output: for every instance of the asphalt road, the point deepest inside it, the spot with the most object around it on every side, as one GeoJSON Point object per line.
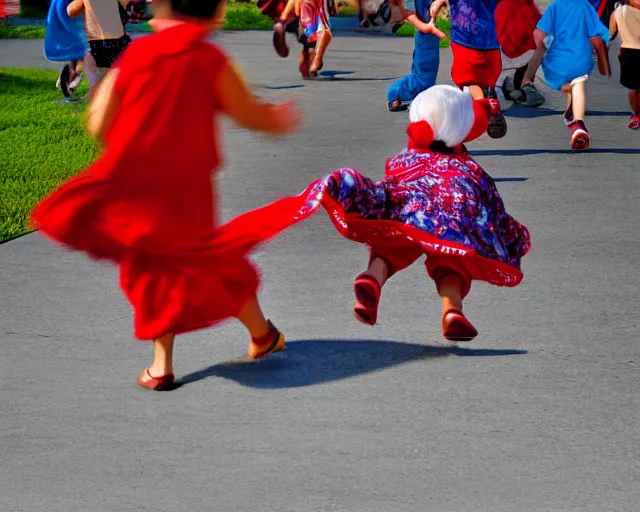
{"type": "Point", "coordinates": [541, 413]}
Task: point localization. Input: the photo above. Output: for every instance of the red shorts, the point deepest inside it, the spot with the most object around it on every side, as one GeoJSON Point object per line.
{"type": "Point", "coordinates": [475, 67]}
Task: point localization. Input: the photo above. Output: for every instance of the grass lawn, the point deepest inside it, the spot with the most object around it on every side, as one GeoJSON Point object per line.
{"type": "Point", "coordinates": [41, 144]}
{"type": "Point", "coordinates": [8, 31]}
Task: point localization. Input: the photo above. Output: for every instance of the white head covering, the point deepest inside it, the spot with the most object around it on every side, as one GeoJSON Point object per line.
{"type": "Point", "coordinates": [448, 110]}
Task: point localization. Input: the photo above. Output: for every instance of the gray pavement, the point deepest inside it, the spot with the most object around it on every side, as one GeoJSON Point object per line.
{"type": "Point", "coordinates": [540, 413]}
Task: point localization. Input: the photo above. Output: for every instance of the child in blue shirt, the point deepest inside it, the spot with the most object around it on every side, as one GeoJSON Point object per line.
{"type": "Point", "coordinates": [566, 36]}
{"type": "Point", "coordinates": [477, 62]}
{"type": "Point", "coordinates": [426, 58]}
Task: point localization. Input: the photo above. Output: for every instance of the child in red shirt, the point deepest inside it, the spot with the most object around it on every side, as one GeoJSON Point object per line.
{"type": "Point", "coordinates": [147, 204]}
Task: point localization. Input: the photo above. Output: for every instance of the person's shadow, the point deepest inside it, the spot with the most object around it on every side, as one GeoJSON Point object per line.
{"type": "Point", "coordinates": [310, 362]}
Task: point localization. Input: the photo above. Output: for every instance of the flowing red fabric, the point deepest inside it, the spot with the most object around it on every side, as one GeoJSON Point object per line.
{"type": "Point", "coordinates": [389, 236]}
{"type": "Point", "coordinates": [515, 22]}
{"type": "Point", "coordinates": [147, 203]}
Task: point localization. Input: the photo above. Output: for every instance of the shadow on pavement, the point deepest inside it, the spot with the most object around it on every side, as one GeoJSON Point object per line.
{"type": "Point", "coordinates": [525, 152]}
{"type": "Point", "coordinates": [530, 113]}
{"type": "Point", "coordinates": [310, 362]}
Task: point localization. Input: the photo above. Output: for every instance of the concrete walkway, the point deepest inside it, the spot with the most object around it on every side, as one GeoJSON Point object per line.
{"type": "Point", "coordinates": [540, 414]}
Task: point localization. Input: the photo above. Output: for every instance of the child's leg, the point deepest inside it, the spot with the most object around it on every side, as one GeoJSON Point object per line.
{"type": "Point", "coordinates": [159, 376]}
{"type": "Point", "coordinates": [579, 100]}
{"type": "Point", "coordinates": [162, 356]}
{"type": "Point", "coordinates": [265, 338]}
{"type": "Point", "coordinates": [384, 262]}
{"type": "Point", "coordinates": [634, 101]}
{"type": "Point", "coordinates": [576, 93]}
{"type": "Point", "coordinates": [453, 284]}
{"type": "Point", "coordinates": [476, 92]}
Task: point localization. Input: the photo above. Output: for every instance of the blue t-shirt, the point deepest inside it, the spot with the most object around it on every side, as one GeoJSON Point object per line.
{"type": "Point", "coordinates": [569, 24]}
{"type": "Point", "coordinates": [473, 23]}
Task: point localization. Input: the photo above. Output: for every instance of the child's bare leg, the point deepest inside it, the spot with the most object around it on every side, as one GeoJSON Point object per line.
{"type": "Point", "coordinates": [379, 269]}
{"type": "Point", "coordinates": [253, 319]}
{"type": "Point", "coordinates": [476, 92]}
{"type": "Point", "coordinates": [452, 287]}
{"type": "Point", "coordinates": [367, 288]}
{"type": "Point", "coordinates": [450, 290]}
{"type": "Point", "coordinates": [634, 101]}
{"type": "Point", "coordinates": [162, 356]}
{"type": "Point", "coordinates": [579, 100]}
{"type": "Point", "coordinates": [265, 338]}
{"type": "Point", "coordinates": [159, 376]}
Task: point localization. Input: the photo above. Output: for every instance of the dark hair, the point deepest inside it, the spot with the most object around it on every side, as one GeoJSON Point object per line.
{"type": "Point", "coordinates": [201, 9]}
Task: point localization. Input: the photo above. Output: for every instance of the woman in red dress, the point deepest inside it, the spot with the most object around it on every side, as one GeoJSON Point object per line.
{"type": "Point", "coordinates": [148, 204]}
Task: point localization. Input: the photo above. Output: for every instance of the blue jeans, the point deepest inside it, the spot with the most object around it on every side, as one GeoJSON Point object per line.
{"type": "Point", "coordinates": [424, 69]}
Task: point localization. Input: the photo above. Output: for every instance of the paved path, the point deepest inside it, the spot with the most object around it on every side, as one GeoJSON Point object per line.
{"type": "Point", "coordinates": [540, 414]}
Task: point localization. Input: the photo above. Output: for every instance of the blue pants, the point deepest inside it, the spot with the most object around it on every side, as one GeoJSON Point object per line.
{"type": "Point", "coordinates": [424, 69]}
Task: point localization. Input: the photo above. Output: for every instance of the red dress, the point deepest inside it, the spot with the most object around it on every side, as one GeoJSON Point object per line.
{"type": "Point", "coordinates": [148, 203]}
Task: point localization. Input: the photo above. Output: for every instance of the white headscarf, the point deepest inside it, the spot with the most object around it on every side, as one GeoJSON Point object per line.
{"type": "Point", "coordinates": [448, 110]}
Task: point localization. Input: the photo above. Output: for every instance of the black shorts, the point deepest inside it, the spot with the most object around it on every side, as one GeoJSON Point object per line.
{"type": "Point", "coordinates": [106, 51]}
{"type": "Point", "coordinates": [629, 68]}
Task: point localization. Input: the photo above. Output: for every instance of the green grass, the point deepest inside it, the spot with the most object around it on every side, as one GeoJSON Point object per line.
{"type": "Point", "coordinates": [41, 144]}
{"type": "Point", "coordinates": [8, 31]}
{"type": "Point", "coordinates": [408, 30]}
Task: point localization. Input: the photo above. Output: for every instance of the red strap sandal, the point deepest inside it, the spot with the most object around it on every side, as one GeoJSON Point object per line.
{"type": "Point", "coordinates": [456, 327]}
{"type": "Point", "coordinates": [164, 383]}
{"type": "Point", "coordinates": [268, 344]}
{"type": "Point", "coordinates": [367, 290]}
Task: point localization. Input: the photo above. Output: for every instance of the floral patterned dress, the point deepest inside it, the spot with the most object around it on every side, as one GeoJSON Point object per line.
{"type": "Point", "coordinates": [436, 204]}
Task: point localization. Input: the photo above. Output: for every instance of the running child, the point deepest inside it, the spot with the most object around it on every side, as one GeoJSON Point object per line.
{"type": "Point", "coordinates": [148, 204]}
{"type": "Point", "coordinates": [426, 58]}
{"type": "Point", "coordinates": [313, 28]}
{"type": "Point", "coordinates": [435, 200]}
{"type": "Point", "coordinates": [516, 22]}
{"type": "Point", "coordinates": [477, 62]}
{"type": "Point", "coordinates": [104, 24]}
{"type": "Point", "coordinates": [65, 41]}
{"type": "Point", "coordinates": [566, 36]}
{"type": "Point", "coordinates": [626, 21]}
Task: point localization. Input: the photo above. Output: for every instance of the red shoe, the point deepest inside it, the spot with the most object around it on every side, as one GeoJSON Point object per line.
{"type": "Point", "coordinates": [367, 290]}
{"type": "Point", "coordinates": [634, 123]}
{"type": "Point", "coordinates": [456, 327]}
{"type": "Point", "coordinates": [280, 40]}
{"type": "Point", "coordinates": [164, 383]}
{"type": "Point", "coordinates": [270, 343]}
{"type": "Point", "coordinates": [305, 63]}
{"type": "Point", "coordinates": [580, 139]}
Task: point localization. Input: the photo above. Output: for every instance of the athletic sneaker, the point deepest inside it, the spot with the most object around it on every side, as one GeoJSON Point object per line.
{"type": "Point", "coordinates": [531, 97]}
{"type": "Point", "coordinates": [580, 139]}
{"type": "Point", "coordinates": [63, 80]}
{"type": "Point", "coordinates": [398, 106]}
{"type": "Point", "coordinates": [509, 90]}
{"type": "Point", "coordinates": [497, 123]}
{"type": "Point", "coordinates": [634, 123]}
{"type": "Point", "coordinates": [75, 83]}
